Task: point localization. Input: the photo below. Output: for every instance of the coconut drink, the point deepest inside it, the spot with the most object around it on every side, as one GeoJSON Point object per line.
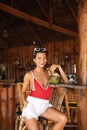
{"type": "Point", "coordinates": [54, 78]}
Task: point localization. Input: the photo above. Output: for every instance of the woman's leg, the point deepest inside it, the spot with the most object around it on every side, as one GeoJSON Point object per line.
{"type": "Point", "coordinates": [56, 116]}
{"type": "Point", "coordinates": [32, 124]}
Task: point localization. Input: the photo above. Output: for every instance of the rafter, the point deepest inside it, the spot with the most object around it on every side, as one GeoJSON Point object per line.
{"type": "Point", "coordinates": [51, 12]}
{"type": "Point", "coordinates": [42, 9]}
{"type": "Point", "coordinates": [31, 28]}
{"type": "Point", "coordinates": [71, 10]}
{"type": "Point", "coordinates": [22, 15]}
{"type": "Point", "coordinates": [17, 35]}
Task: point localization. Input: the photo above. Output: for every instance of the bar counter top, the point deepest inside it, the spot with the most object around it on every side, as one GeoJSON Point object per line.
{"type": "Point", "coordinates": [72, 86]}
{"type": "Point", "coordinates": [7, 83]}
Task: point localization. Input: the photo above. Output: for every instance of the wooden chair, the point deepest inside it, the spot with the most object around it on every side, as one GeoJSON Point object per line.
{"type": "Point", "coordinates": [19, 123]}
{"type": "Point", "coordinates": [56, 99]}
{"type": "Point", "coordinates": [71, 107]}
{"type": "Point", "coordinates": [17, 116]}
{"type": "Point", "coordinates": [65, 101]}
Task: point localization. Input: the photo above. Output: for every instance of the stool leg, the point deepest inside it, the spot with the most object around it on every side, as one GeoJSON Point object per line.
{"type": "Point", "coordinates": [43, 127]}
{"type": "Point", "coordinates": [46, 127]}
{"type": "Point", "coordinates": [50, 126]}
{"type": "Point", "coordinates": [21, 124]}
{"type": "Point", "coordinates": [75, 118]}
{"type": "Point", "coordinates": [24, 127]}
{"type": "Point", "coordinates": [67, 108]}
{"type": "Point", "coordinates": [16, 124]}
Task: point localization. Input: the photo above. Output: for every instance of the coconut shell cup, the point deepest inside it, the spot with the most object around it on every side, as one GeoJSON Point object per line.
{"type": "Point", "coordinates": [54, 79]}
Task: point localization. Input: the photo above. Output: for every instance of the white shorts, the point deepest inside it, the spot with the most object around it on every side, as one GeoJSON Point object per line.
{"type": "Point", "coordinates": [35, 107]}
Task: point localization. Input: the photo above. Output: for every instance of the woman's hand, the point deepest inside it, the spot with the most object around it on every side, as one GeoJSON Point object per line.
{"type": "Point", "coordinates": [62, 73]}
{"type": "Point", "coordinates": [53, 68]}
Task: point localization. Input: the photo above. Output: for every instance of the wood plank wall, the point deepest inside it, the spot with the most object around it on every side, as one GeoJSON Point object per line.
{"type": "Point", "coordinates": [56, 54]}
{"type": "Point", "coordinates": [8, 100]}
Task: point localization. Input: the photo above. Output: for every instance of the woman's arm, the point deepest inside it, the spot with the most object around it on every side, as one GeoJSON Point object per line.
{"type": "Point", "coordinates": [26, 83]}
{"type": "Point", "coordinates": [62, 73]}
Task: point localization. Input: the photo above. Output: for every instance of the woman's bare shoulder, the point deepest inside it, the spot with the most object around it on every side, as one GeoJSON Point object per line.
{"type": "Point", "coordinates": [27, 75]}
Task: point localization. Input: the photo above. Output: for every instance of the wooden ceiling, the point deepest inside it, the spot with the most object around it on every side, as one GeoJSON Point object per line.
{"type": "Point", "coordinates": [28, 22]}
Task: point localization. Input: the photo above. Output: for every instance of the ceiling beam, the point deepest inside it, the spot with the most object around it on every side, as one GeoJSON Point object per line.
{"type": "Point", "coordinates": [22, 15]}
{"type": "Point", "coordinates": [17, 35]}
{"type": "Point", "coordinates": [31, 28]}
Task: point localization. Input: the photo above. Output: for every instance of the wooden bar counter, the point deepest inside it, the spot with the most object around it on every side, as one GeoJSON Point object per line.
{"type": "Point", "coordinates": [8, 99]}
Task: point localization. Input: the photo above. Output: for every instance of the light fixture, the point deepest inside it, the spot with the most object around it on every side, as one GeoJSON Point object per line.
{"type": "Point", "coordinates": [17, 61]}
{"type": "Point", "coordinates": [5, 34]}
{"type": "Point", "coordinates": [34, 42]}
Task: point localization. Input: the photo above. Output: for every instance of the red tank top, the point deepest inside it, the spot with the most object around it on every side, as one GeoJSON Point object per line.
{"type": "Point", "coordinates": [39, 91]}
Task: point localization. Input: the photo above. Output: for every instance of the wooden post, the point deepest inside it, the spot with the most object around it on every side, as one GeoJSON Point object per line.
{"type": "Point", "coordinates": [82, 24]}
{"type": "Point", "coordinates": [82, 63]}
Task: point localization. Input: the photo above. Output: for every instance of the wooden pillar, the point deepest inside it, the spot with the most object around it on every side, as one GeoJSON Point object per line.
{"type": "Point", "coordinates": [82, 64]}
{"type": "Point", "coordinates": [82, 24]}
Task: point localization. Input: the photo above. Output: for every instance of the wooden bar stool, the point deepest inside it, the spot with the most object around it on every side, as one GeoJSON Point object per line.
{"type": "Point", "coordinates": [56, 99]}
{"type": "Point", "coordinates": [70, 108]}
{"type": "Point", "coordinates": [66, 102]}
{"type": "Point", "coordinates": [18, 107]}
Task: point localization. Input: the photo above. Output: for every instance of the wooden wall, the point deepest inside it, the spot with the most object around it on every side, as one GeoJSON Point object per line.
{"type": "Point", "coordinates": [57, 52]}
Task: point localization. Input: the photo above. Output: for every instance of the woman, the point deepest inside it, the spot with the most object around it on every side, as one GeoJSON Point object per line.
{"type": "Point", "coordinates": [37, 103]}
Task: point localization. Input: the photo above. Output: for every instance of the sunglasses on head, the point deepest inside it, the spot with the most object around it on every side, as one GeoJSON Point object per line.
{"type": "Point", "coordinates": [39, 49]}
